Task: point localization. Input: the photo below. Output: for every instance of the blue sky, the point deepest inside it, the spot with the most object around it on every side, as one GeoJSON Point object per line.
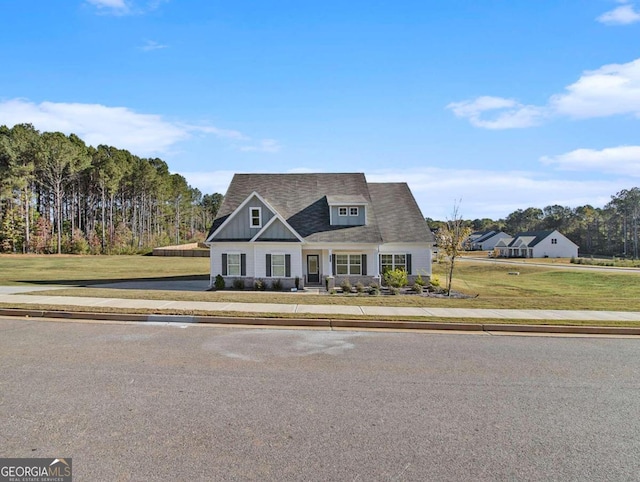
{"type": "Point", "coordinates": [495, 105]}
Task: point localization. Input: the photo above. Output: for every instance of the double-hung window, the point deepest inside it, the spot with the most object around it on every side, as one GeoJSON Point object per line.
{"type": "Point", "coordinates": [278, 267]}
{"type": "Point", "coordinates": [349, 264]}
{"type": "Point", "coordinates": [255, 218]}
{"type": "Point", "coordinates": [389, 262]}
{"type": "Point", "coordinates": [233, 265]}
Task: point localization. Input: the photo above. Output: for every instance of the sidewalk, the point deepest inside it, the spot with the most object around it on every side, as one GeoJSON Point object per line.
{"type": "Point", "coordinates": [12, 295]}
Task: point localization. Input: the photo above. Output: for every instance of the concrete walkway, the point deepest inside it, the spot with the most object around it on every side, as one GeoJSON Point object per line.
{"type": "Point", "coordinates": [13, 295]}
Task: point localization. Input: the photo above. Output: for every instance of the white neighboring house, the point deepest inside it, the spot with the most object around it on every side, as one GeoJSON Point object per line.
{"type": "Point", "coordinates": [305, 229]}
{"type": "Point", "coordinates": [537, 244]}
{"type": "Point", "coordinates": [487, 240]}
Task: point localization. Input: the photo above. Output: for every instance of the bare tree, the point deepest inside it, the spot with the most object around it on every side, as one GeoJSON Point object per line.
{"type": "Point", "coordinates": [450, 238]}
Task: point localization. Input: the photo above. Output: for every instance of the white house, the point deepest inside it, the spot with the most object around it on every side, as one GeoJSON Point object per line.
{"type": "Point", "coordinates": [486, 241]}
{"type": "Point", "coordinates": [307, 228]}
{"type": "Point", "coordinates": [537, 244]}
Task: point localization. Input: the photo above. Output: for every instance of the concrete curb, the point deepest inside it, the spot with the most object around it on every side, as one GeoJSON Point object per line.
{"type": "Point", "coordinates": [325, 323]}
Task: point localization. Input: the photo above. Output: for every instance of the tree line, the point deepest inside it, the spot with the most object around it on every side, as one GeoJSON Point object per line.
{"type": "Point", "coordinates": [58, 195]}
{"type": "Point", "coordinates": [610, 231]}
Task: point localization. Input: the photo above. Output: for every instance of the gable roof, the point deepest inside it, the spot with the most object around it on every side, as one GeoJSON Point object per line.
{"type": "Point", "coordinates": [302, 200]}
{"type": "Point", "coordinates": [530, 238]}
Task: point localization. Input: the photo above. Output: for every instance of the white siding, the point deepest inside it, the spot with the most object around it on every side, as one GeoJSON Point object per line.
{"type": "Point", "coordinates": [420, 256]}
{"type": "Point", "coordinates": [261, 252]}
{"type": "Point", "coordinates": [563, 249]}
{"type": "Point", "coordinates": [217, 249]}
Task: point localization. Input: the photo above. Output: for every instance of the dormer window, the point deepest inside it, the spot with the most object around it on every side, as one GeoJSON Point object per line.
{"type": "Point", "coordinates": [255, 217]}
{"type": "Point", "coordinates": [353, 211]}
{"type": "Point", "coordinates": [342, 211]}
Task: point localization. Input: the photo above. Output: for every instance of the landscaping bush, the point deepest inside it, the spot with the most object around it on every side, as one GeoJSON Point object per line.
{"type": "Point", "coordinates": [435, 281]}
{"type": "Point", "coordinates": [259, 285]}
{"type": "Point", "coordinates": [276, 285]}
{"type": "Point", "coordinates": [374, 290]}
{"type": "Point", "coordinates": [417, 287]}
{"type": "Point", "coordinates": [419, 281]}
{"type": "Point", "coordinates": [359, 287]}
{"type": "Point", "coordinates": [396, 278]}
{"type": "Point", "coordinates": [219, 282]}
{"type": "Point", "coordinates": [394, 290]}
{"type": "Point", "coordinates": [238, 284]}
{"type": "Point", "coordinates": [346, 286]}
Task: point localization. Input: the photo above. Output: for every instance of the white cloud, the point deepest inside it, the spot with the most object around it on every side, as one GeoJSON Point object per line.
{"type": "Point", "coordinates": [141, 134]}
{"type": "Point", "coordinates": [113, 6]}
{"type": "Point", "coordinates": [126, 7]}
{"type": "Point", "coordinates": [612, 89]}
{"type": "Point", "coordinates": [510, 114]}
{"type": "Point", "coordinates": [622, 15]}
{"type": "Point", "coordinates": [265, 145]}
{"type": "Point", "coordinates": [623, 160]}
{"type": "Point", "coordinates": [494, 194]}
{"type": "Point", "coordinates": [151, 45]}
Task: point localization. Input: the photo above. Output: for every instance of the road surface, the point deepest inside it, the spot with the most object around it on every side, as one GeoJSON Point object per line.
{"type": "Point", "coordinates": [192, 402]}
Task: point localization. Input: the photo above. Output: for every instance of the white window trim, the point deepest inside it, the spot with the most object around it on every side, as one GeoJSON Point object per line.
{"type": "Point", "coordinates": [356, 209]}
{"type": "Point", "coordinates": [348, 265]}
{"type": "Point", "coordinates": [239, 264]}
{"type": "Point", "coordinates": [251, 217]}
{"type": "Point", "coordinates": [283, 265]}
{"type": "Point", "coordinates": [346, 211]}
{"type": "Point", "coordinates": [393, 261]}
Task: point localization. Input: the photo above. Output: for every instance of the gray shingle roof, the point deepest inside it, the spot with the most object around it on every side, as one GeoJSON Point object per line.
{"type": "Point", "coordinates": [392, 216]}
{"type": "Point", "coordinates": [536, 235]}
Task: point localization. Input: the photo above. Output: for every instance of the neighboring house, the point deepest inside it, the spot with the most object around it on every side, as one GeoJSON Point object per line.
{"type": "Point", "coordinates": [537, 244]}
{"type": "Point", "coordinates": [317, 227]}
{"type": "Point", "coordinates": [486, 241]}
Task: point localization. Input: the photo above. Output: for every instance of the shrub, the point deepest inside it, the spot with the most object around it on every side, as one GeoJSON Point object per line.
{"type": "Point", "coordinates": [394, 290]}
{"type": "Point", "coordinates": [359, 287]}
{"type": "Point", "coordinates": [276, 285]}
{"type": "Point", "coordinates": [259, 285]}
{"type": "Point", "coordinates": [435, 281]}
{"type": "Point", "coordinates": [374, 290]}
{"type": "Point", "coordinates": [238, 284]}
{"type": "Point", "coordinates": [297, 282]}
{"type": "Point", "coordinates": [396, 278]}
{"type": "Point", "coordinates": [419, 281]}
{"type": "Point", "coordinates": [417, 287]}
{"type": "Point", "coordinates": [219, 283]}
{"type": "Point", "coordinates": [346, 286]}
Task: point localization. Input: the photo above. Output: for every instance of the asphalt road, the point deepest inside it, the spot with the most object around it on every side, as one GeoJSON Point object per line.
{"type": "Point", "coordinates": [158, 402]}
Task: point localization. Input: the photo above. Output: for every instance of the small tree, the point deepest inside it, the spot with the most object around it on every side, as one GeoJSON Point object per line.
{"type": "Point", "coordinates": [450, 239]}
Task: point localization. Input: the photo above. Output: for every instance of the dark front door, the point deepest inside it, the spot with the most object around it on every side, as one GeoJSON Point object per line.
{"type": "Point", "coordinates": [313, 269]}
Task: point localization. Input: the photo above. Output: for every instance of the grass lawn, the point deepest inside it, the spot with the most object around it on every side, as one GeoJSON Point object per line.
{"type": "Point", "coordinates": [536, 287]}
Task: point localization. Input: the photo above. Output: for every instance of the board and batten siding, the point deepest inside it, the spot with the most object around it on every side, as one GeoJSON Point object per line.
{"type": "Point", "coordinates": [239, 227]}
{"type": "Point", "coordinates": [277, 231]}
{"type": "Point", "coordinates": [348, 220]}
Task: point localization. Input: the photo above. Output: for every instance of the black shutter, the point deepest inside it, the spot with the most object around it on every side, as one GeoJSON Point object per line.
{"type": "Point", "coordinates": [243, 265]}
{"type": "Point", "coordinates": [364, 265]}
{"type": "Point", "coordinates": [268, 266]}
{"type": "Point", "coordinates": [224, 264]}
{"type": "Point", "coordinates": [333, 264]}
{"type": "Point", "coordinates": [408, 263]}
{"type": "Point", "coordinates": [287, 265]}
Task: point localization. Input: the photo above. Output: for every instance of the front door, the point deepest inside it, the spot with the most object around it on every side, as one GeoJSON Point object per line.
{"type": "Point", "coordinates": [313, 269]}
